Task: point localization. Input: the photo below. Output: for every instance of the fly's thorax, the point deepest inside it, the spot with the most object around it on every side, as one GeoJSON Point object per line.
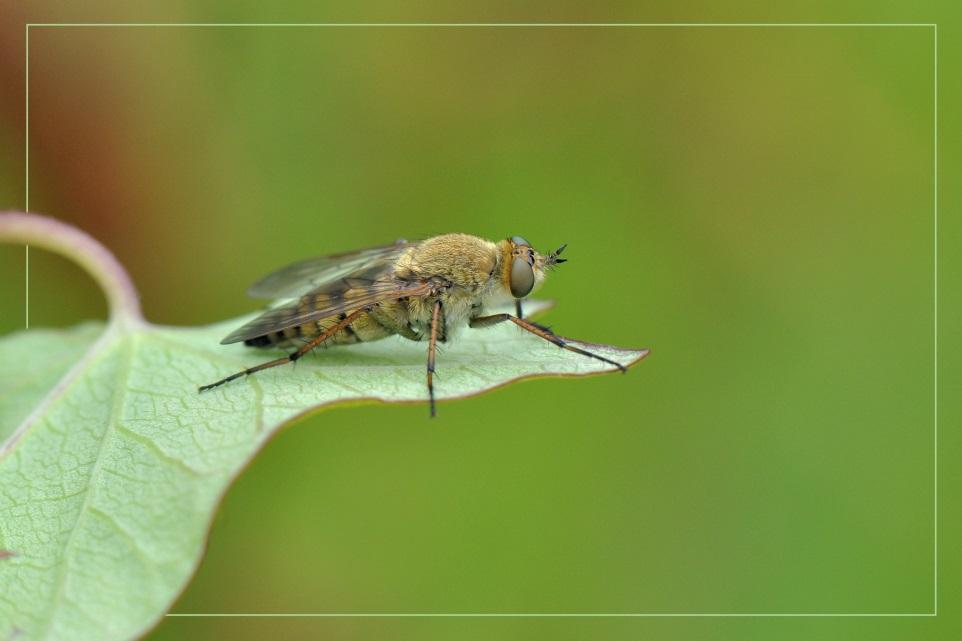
{"type": "Point", "coordinates": [495, 295]}
{"type": "Point", "coordinates": [465, 261]}
{"type": "Point", "coordinates": [458, 306]}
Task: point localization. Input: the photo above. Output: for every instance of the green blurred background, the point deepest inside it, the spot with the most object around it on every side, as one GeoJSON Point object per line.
{"type": "Point", "coordinates": [754, 204]}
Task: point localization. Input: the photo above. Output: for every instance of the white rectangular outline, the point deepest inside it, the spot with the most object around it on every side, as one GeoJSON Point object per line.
{"type": "Point", "coordinates": [935, 278]}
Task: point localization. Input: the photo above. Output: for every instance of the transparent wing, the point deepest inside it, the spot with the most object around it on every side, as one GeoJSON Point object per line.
{"type": "Point", "coordinates": [368, 286]}
{"type": "Point", "coordinates": [304, 275]}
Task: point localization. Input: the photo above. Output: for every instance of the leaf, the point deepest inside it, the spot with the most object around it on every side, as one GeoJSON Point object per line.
{"type": "Point", "coordinates": [113, 464]}
{"type": "Point", "coordinates": [38, 368]}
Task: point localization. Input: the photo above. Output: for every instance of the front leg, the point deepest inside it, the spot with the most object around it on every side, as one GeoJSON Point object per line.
{"type": "Point", "coordinates": [538, 330]}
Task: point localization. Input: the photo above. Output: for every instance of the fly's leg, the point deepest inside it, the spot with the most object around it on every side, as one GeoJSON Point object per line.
{"type": "Point", "coordinates": [542, 332]}
{"type": "Point", "coordinates": [293, 356]}
{"type": "Point", "coordinates": [432, 351]}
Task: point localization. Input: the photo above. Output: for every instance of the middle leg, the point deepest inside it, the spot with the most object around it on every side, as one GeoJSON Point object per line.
{"type": "Point", "coordinates": [432, 351]}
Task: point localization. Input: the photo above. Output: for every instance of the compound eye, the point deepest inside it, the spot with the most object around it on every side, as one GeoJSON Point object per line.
{"type": "Point", "coordinates": [520, 242]}
{"type": "Point", "coordinates": [522, 278]}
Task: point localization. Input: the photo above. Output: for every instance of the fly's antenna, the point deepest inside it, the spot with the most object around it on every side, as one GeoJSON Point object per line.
{"type": "Point", "coordinates": [553, 259]}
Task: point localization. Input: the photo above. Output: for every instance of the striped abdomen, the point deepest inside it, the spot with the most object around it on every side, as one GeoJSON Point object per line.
{"type": "Point", "coordinates": [365, 328]}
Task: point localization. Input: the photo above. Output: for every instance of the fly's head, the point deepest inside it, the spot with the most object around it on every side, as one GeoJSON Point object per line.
{"type": "Point", "coordinates": [522, 267]}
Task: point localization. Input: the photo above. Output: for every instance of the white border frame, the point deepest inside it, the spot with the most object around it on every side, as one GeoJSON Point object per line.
{"type": "Point", "coordinates": [935, 278]}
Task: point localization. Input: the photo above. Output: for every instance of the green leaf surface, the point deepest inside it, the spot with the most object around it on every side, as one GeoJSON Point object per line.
{"type": "Point", "coordinates": [29, 369]}
{"type": "Point", "coordinates": [112, 464]}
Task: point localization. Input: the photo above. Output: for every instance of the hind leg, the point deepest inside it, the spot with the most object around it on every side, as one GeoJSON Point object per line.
{"type": "Point", "coordinates": [293, 356]}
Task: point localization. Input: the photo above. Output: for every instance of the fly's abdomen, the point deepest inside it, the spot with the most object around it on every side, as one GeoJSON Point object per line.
{"type": "Point", "coordinates": [365, 328]}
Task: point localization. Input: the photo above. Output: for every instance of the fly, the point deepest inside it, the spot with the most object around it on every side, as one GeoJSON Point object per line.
{"type": "Point", "coordinates": [418, 290]}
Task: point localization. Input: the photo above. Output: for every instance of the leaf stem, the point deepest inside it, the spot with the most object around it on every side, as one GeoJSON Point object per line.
{"type": "Point", "coordinates": [83, 249]}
